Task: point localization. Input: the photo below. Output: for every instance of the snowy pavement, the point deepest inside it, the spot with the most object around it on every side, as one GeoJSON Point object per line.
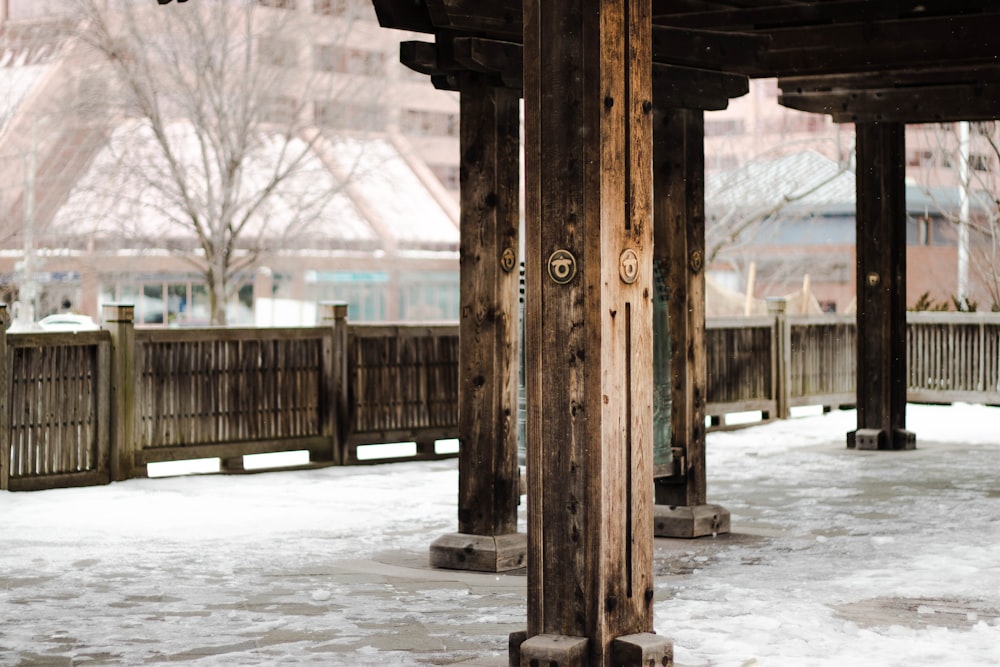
{"type": "Point", "coordinates": [837, 557]}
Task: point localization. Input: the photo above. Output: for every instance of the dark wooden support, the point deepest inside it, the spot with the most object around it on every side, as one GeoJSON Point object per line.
{"type": "Point", "coordinates": [4, 402]}
{"type": "Point", "coordinates": [488, 472]}
{"type": "Point", "coordinates": [881, 286]}
{"type": "Point", "coordinates": [679, 214]}
{"type": "Point", "coordinates": [589, 292]}
{"type": "Point", "coordinates": [917, 104]}
{"type": "Point", "coordinates": [119, 320]}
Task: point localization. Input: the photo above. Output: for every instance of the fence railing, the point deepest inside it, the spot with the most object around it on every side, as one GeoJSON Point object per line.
{"type": "Point", "coordinates": [54, 416]}
{"type": "Point", "coordinates": [784, 361]}
{"type": "Point", "coordinates": [85, 408]}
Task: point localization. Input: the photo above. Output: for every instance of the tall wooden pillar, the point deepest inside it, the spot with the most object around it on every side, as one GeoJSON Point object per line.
{"type": "Point", "coordinates": [682, 509]}
{"type": "Point", "coordinates": [488, 475]}
{"type": "Point", "coordinates": [589, 290]}
{"type": "Point", "coordinates": [881, 287]}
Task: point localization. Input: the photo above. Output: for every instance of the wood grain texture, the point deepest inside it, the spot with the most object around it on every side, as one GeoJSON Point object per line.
{"type": "Point", "coordinates": [679, 159]}
{"type": "Point", "coordinates": [589, 341]}
{"type": "Point", "coordinates": [881, 277]}
{"type": "Point", "coordinates": [489, 327]}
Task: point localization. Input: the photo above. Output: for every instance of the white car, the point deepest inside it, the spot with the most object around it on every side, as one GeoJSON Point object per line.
{"type": "Point", "coordinates": [67, 322]}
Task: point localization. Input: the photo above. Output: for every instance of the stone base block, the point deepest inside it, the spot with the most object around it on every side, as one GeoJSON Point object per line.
{"type": "Point", "coordinates": [689, 522]}
{"type": "Point", "coordinates": [875, 439]}
{"type": "Point", "coordinates": [903, 439]}
{"type": "Point", "coordinates": [642, 650]}
{"type": "Point", "coordinates": [866, 439]}
{"type": "Point", "coordinates": [480, 553]}
{"type": "Point", "coordinates": [554, 651]}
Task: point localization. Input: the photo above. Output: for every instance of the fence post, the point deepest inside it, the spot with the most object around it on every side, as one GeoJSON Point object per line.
{"type": "Point", "coordinates": [335, 417]}
{"type": "Point", "coordinates": [119, 320]}
{"type": "Point", "coordinates": [782, 355]}
{"type": "Point", "coordinates": [4, 402]}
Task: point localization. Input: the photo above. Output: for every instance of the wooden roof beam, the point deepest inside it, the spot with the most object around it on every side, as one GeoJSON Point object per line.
{"type": "Point", "coordinates": [674, 86]}
{"type": "Point", "coordinates": [891, 78]}
{"type": "Point", "coordinates": [866, 47]}
{"type": "Point", "coordinates": [705, 49]}
{"type": "Point", "coordinates": [919, 104]}
{"type": "Point", "coordinates": [804, 14]}
{"type": "Point", "coordinates": [403, 15]}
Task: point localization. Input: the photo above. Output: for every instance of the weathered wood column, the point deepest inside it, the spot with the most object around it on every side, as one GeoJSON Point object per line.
{"type": "Point", "coordinates": [588, 271]}
{"type": "Point", "coordinates": [4, 402]}
{"type": "Point", "coordinates": [881, 288]}
{"type": "Point", "coordinates": [119, 320]}
{"type": "Point", "coordinates": [488, 475]}
{"type": "Point", "coordinates": [679, 214]}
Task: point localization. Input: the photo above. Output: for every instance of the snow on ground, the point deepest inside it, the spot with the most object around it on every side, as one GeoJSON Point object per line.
{"type": "Point", "coordinates": [837, 557]}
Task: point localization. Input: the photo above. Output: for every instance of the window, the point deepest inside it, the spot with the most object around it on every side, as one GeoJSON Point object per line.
{"type": "Point", "coordinates": [330, 7]}
{"type": "Point", "coordinates": [429, 123]}
{"type": "Point", "coordinates": [980, 162]}
{"type": "Point", "coordinates": [921, 158]}
{"type": "Point", "coordinates": [355, 9]}
{"type": "Point", "coordinates": [337, 114]}
{"type": "Point", "coordinates": [330, 58]}
{"type": "Point", "coordinates": [985, 129]}
{"type": "Point", "coordinates": [280, 109]}
{"type": "Point", "coordinates": [277, 52]}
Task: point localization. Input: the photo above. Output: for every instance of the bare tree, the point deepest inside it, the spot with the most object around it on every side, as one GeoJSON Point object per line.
{"type": "Point", "coordinates": [745, 207]}
{"type": "Point", "coordinates": [214, 151]}
{"type": "Point", "coordinates": [939, 159]}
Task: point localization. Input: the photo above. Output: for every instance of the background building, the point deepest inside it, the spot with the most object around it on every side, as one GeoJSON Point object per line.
{"type": "Point", "coordinates": [389, 244]}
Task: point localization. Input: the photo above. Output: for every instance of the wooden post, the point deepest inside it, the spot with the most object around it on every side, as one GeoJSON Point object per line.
{"type": "Point", "coordinates": [4, 401]}
{"type": "Point", "coordinates": [881, 287]}
{"type": "Point", "coordinates": [679, 215]}
{"type": "Point", "coordinates": [119, 321]}
{"type": "Point", "coordinates": [335, 417]}
{"type": "Point", "coordinates": [488, 477]}
{"type": "Point", "coordinates": [782, 350]}
{"type": "Point", "coordinates": [588, 330]}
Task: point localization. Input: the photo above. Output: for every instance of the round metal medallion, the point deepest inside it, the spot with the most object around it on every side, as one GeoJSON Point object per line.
{"type": "Point", "coordinates": [697, 261]}
{"type": "Point", "coordinates": [508, 260]}
{"type": "Point", "coordinates": [562, 266]}
{"type": "Point", "coordinates": [629, 266]}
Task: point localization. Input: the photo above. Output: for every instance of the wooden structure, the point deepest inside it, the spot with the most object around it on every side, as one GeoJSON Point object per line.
{"type": "Point", "coordinates": [65, 394]}
{"type": "Point", "coordinates": [95, 406]}
{"type": "Point", "coordinates": [592, 73]}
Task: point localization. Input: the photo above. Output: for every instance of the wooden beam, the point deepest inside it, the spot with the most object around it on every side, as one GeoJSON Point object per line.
{"type": "Point", "coordinates": [898, 78]}
{"type": "Point", "coordinates": [403, 15]}
{"type": "Point", "coordinates": [588, 125]}
{"type": "Point", "coordinates": [419, 56]}
{"type": "Point", "coordinates": [774, 15]}
{"type": "Point", "coordinates": [707, 49]}
{"type": "Point", "coordinates": [503, 59]}
{"type": "Point", "coordinates": [922, 104]}
{"type": "Point", "coordinates": [674, 86]}
{"type": "Point", "coordinates": [881, 288]}
{"type": "Point", "coordinates": [499, 18]}
{"type": "Point", "coordinates": [488, 476]}
{"type": "Point", "coordinates": [692, 88]}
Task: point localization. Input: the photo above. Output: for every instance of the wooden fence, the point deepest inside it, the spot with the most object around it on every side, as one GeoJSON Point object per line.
{"type": "Point", "coordinates": [85, 408]}
{"type": "Point", "coordinates": [782, 361]}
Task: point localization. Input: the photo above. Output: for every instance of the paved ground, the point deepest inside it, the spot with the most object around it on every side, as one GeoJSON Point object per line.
{"type": "Point", "coordinates": [836, 557]}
